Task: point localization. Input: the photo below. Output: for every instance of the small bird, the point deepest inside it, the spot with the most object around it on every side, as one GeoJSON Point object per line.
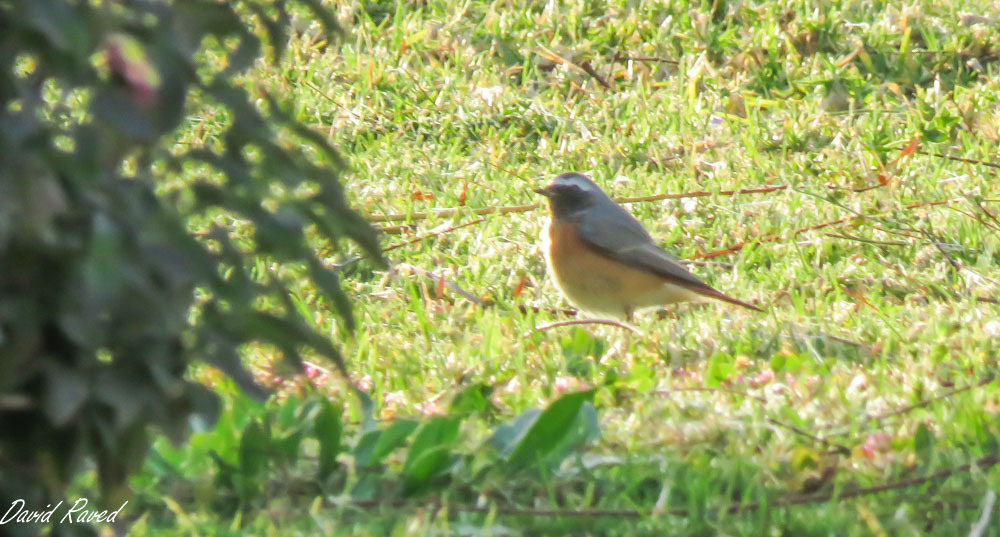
{"type": "Point", "coordinates": [604, 261]}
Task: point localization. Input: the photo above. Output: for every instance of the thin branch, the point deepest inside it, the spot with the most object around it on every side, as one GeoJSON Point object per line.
{"type": "Point", "coordinates": [589, 69]}
{"type": "Point", "coordinates": [448, 283]}
{"type": "Point", "coordinates": [838, 448]}
{"type": "Point", "coordinates": [987, 212]}
{"type": "Point", "coordinates": [397, 229]}
{"type": "Point", "coordinates": [701, 194]}
{"type": "Point", "coordinates": [906, 409]}
{"type": "Point", "coordinates": [564, 311]}
{"type": "Point", "coordinates": [869, 241]}
{"type": "Point", "coordinates": [434, 234]}
{"type": "Point", "coordinates": [608, 322]}
{"type": "Point", "coordinates": [772, 238]}
{"type": "Point", "coordinates": [530, 207]}
{"type": "Point", "coordinates": [621, 56]}
{"type": "Point", "coordinates": [453, 211]}
{"type": "Point", "coordinates": [978, 219]}
{"type": "Point", "coordinates": [962, 159]}
{"type": "Point", "coordinates": [940, 247]}
{"type": "Point", "coordinates": [353, 260]}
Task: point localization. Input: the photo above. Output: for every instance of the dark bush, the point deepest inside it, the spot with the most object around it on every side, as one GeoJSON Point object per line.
{"type": "Point", "coordinates": [106, 294]}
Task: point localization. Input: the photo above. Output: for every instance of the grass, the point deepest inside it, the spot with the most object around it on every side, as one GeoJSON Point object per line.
{"type": "Point", "coordinates": [471, 104]}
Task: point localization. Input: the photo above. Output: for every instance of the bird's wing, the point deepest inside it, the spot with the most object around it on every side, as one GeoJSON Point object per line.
{"type": "Point", "coordinates": [621, 237]}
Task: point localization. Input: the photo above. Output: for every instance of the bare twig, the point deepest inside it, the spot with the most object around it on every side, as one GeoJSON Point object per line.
{"type": "Point", "coordinates": [845, 429]}
{"type": "Point", "coordinates": [986, 212]}
{"type": "Point", "coordinates": [397, 229]}
{"type": "Point", "coordinates": [434, 234]}
{"type": "Point", "coordinates": [961, 159]}
{"type": "Point", "coordinates": [937, 244]}
{"type": "Point", "coordinates": [850, 237]}
{"type": "Point", "coordinates": [353, 260]}
{"type": "Point", "coordinates": [448, 283]}
{"type": "Point", "coordinates": [977, 218]}
{"type": "Point", "coordinates": [452, 211]}
{"type": "Point", "coordinates": [608, 322]}
{"type": "Point", "coordinates": [536, 309]}
{"type": "Point", "coordinates": [589, 69]}
{"type": "Point", "coordinates": [624, 56]}
{"type": "Point", "coordinates": [530, 207]}
{"type": "Point", "coordinates": [701, 194]}
{"type": "Point", "coordinates": [838, 448]}
{"type": "Point", "coordinates": [772, 238]}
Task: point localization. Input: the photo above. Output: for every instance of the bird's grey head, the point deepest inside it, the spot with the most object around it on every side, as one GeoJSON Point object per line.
{"type": "Point", "coordinates": [571, 193]}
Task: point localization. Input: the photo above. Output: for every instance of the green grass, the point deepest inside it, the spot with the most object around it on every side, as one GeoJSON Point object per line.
{"type": "Point", "coordinates": [450, 104]}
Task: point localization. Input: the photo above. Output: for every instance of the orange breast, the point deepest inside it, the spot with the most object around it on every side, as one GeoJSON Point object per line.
{"type": "Point", "coordinates": [597, 283]}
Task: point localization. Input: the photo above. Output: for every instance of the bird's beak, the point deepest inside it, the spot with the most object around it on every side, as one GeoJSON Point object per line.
{"type": "Point", "coordinates": [544, 191]}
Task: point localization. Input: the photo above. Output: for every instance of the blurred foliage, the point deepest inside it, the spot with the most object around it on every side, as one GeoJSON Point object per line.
{"type": "Point", "coordinates": [304, 449]}
{"type": "Point", "coordinates": [106, 296]}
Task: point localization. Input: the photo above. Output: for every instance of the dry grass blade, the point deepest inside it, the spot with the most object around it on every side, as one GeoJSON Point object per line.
{"type": "Point", "coordinates": [962, 159]}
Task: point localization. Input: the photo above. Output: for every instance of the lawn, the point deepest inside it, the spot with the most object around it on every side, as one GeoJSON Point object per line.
{"type": "Point", "coordinates": [832, 162]}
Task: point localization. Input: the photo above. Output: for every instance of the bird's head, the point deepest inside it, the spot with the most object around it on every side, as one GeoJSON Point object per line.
{"type": "Point", "coordinates": [571, 193]}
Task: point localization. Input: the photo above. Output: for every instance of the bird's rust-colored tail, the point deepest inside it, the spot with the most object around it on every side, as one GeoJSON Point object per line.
{"type": "Point", "coordinates": [719, 295]}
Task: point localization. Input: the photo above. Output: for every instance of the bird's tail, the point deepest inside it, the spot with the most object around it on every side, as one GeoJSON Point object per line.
{"type": "Point", "coordinates": [719, 295]}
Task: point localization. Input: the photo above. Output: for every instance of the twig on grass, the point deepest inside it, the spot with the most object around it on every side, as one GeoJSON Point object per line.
{"type": "Point", "coordinates": [414, 241]}
{"type": "Point", "coordinates": [846, 429]}
{"type": "Point", "coordinates": [961, 159]}
{"type": "Point", "coordinates": [507, 209]}
{"type": "Point", "coordinates": [772, 238]}
{"type": "Point", "coordinates": [621, 56]}
{"type": "Point", "coordinates": [565, 311]}
{"type": "Point", "coordinates": [840, 449]}
{"type": "Point", "coordinates": [850, 237]}
{"type": "Point", "coordinates": [447, 283]}
{"type": "Point", "coordinates": [589, 69]}
{"type": "Point", "coordinates": [608, 322]}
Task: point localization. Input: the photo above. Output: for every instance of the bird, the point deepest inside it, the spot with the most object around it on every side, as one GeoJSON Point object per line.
{"type": "Point", "coordinates": [605, 262]}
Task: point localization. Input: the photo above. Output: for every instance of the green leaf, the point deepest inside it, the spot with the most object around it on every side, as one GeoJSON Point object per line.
{"type": "Point", "coordinates": [328, 429]}
{"type": "Point", "coordinates": [437, 432]}
{"type": "Point", "coordinates": [508, 435]}
{"type": "Point", "coordinates": [720, 368]}
{"type": "Point", "coordinates": [254, 449]}
{"type": "Point", "coordinates": [474, 398]}
{"type": "Point", "coordinates": [329, 283]}
{"type": "Point", "coordinates": [531, 440]}
{"type": "Point", "coordinates": [366, 445]}
{"type": "Point", "coordinates": [428, 465]}
{"type": "Point", "coordinates": [923, 443]}
{"type": "Point", "coordinates": [391, 438]}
